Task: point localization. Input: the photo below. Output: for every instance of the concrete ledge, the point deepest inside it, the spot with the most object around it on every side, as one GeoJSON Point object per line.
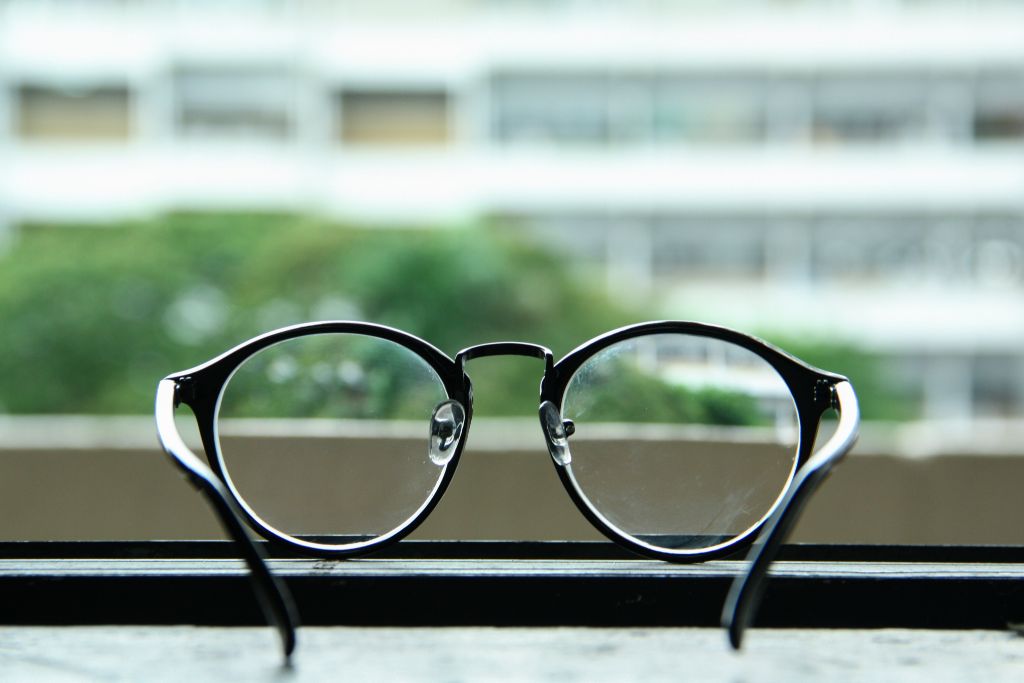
{"type": "Point", "coordinates": [496, 654]}
{"type": "Point", "coordinates": [72, 478]}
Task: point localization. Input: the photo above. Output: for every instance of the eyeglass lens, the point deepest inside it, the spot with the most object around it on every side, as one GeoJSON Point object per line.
{"type": "Point", "coordinates": [681, 442]}
{"type": "Point", "coordinates": [326, 435]}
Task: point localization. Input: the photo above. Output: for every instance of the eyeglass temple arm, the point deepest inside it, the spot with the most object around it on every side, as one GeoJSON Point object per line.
{"type": "Point", "coordinates": [274, 598]}
{"type": "Point", "coordinates": [746, 591]}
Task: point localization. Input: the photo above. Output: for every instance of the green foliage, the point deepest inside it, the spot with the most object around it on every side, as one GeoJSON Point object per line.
{"type": "Point", "coordinates": [336, 376]}
{"type": "Point", "coordinates": [92, 317]}
{"type": "Point", "coordinates": [880, 393]}
{"type": "Point", "coordinates": [620, 392]}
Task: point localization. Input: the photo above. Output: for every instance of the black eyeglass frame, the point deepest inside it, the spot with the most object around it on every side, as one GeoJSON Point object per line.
{"type": "Point", "coordinates": [813, 391]}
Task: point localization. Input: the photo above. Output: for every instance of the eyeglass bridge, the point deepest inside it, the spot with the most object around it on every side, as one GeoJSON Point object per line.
{"type": "Point", "coordinates": [556, 430]}
{"type": "Point", "coordinates": [506, 349]}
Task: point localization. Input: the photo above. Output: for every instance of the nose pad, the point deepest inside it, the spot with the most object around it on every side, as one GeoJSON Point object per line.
{"type": "Point", "coordinates": [556, 433]}
{"type": "Point", "coordinates": [446, 426]}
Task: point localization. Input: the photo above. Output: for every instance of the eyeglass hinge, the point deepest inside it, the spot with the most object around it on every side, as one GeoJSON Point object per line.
{"type": "Point", "coordinates": [834, 397]}
{"type": "Point", "coordinates": [184, 391]}
{"type": "Point", "coordinates": [825, 394]}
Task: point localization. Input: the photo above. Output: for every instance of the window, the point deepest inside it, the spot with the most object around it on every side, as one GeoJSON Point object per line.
{"type": "Point", "coordinates": [394, 117]}
{"type": "Point", "coordinates": [234, 103]}
{"type": "Point", "coordinates": [709, 110]}
{"type": "Point", "coordinates": [999, 108]}
{"type": "Point", "coordinates": [869, 248]}
{"type": "Point", "coordinates": [612, 108]}
{"type": "Point", "coordinates": [678, 247]}
{"type": "Point", "coordinates": [869, 109]}
{"type": "Point", "coordinates": [560, 108]}
{"type": "Point", "coordinates": [82, 114]}
{"type": "Point", "coordinates": [997, 385]}
{"type": "Point", "coordinates": [997, 253]}
{"type": "Point", "coordinates": [709, 248]}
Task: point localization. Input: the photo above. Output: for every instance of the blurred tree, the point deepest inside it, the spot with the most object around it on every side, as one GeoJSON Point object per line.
{"type": "Point", "coordinates": [880, 395]}
{"type": "Point", "coordinates": [93, 317]}
{"type": "Point", "coordinates": [619, 391]}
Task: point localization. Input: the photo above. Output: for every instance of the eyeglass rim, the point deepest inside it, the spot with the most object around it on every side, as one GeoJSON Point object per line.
{"type": "Point", "coordinates": [214, 375]}
{"type": "Point", "coordinates": [211, 379]}
{"type": "Point", "coordinates": [807, 388]}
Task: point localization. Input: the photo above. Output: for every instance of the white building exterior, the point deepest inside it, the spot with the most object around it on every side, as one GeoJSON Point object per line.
{"type": "Point", "coordinates": [851, 170]}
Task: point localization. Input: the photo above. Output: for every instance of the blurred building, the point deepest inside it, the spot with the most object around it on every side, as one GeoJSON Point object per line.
{"type": "Point", "coordinates": [829, 169]}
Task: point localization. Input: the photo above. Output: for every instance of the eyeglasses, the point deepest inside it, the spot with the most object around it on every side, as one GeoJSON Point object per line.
{"type": "Point", "coordinates": [678, 440]}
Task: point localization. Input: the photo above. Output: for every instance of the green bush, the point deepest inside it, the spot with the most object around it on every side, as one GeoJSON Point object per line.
{"type": "Point", "coordinates": [880, 394]}
{"type": "Point", "coordinates": [93, 317]}
{"type": "Point", "coordinates": [623, 393]}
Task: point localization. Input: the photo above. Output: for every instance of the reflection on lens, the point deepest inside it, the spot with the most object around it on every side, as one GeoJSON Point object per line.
{"type": "Point", "coordinates": [327, 435]}
{"type": "Point", "coordinates": [682, 443]}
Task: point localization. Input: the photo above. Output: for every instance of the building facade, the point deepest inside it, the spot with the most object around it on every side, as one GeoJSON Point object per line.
{"type": "Point", "coordinates": [843, 170]}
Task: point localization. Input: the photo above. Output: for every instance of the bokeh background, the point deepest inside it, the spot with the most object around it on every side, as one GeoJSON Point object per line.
{"type": "Point", "coordinates": [844, 178]}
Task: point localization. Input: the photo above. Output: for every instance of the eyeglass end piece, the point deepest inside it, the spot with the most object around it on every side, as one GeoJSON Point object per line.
{"type": "Point", "coordinates": [735, 633]}
{"type": "Point", "coordinates": [288, 642]}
